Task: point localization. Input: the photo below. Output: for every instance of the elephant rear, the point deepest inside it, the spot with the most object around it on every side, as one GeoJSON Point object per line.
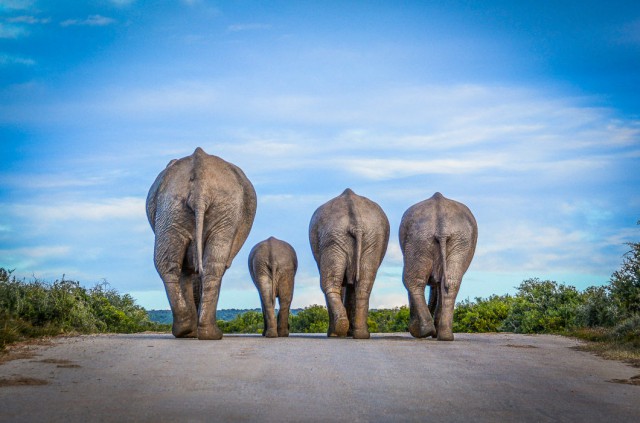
{"type": "Point", "coordinates": [201, 209]}
{"type": "Point", "coordinates": [348, 236]}
{"type": "Point", "coordinates": [273, 264]}
{"type": "Point", "coordinates": [438, 239]}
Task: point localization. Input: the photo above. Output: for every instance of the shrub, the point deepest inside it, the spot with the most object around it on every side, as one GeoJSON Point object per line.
{"type": "Point", "coordinates": [35, 308]}
{"type": "Point", "coordinates": [543, 307]}
{"type": "Point", "coordinates": [482, 315]}
{"type": "Point", "coordinates": [312, 319]}
{"type": "Point", "coordinates": [625, 283]}
{"type": "Point", "coordinates": [597, 308]}
{"type": "Point", "coordinates": [247, 322]}
{"type": "Point", "coordinates": [389, 320]}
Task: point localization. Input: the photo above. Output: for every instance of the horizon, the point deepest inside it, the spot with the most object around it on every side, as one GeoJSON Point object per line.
{"type": "Point", "coordinates": [528, 113]}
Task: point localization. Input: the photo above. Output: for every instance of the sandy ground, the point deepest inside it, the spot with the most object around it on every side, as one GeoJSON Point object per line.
{"type": "Point", "coordinates": [154, 377]}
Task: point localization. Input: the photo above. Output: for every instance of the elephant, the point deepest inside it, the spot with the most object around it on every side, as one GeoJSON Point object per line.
{"type": "Point", "coordinates": [349, 236]}
{"type": "Point", "coordinates": [273, 264]}
{"type": "Point", "coordinates": [201, 209]}
{"type": "Point", "coordinates": [438, 238]}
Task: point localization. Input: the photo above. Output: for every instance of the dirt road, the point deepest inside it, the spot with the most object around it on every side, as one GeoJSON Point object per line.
{"type": "Point", "coordinates": [154, 377]}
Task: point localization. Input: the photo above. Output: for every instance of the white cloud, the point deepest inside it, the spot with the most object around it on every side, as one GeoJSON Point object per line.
{"type": "Point", "coordinates": [6, 60]}
{"type": "Point", "coordinates": [114, 208]}
{"type": "Point", "coordinates": [92, 20]}
{"type": "Point", "coordinates": [31, 20]}
{"type": "Point", "coordinates": [11, 31]}
{"type": "Point", "coordinates": [16, 4]}
{"type": "Point", "coordinates": [248, 27]}
{"type": "Point", "coordinates": [379, 169]}
{"type": "Point", "coordinates": [121, 3]}
{"type": "Point", "coordinates": [29, 257]}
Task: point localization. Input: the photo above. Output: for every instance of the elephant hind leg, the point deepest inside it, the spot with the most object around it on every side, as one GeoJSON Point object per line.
{"type": "Point", "coordinates": [349, 300]}
{"type": "Point", "coordinates": [332, 270]}
{"type": "Point", "coordinates": [169, 254]}
{"type": "Point", "coordinates": [434, 305]}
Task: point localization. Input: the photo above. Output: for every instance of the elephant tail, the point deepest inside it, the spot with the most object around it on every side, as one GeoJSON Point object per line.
{"type": "Point", "coordinates": [443, 256]}
{"type": "Point", "coordinates": [357, 235]}
{"type": "Point", "coordinates": [199, 212]}
{"type": "Point", "coordinates": [274, 281]}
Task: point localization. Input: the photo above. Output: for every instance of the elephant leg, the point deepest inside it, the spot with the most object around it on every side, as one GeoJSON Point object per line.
{"type": "Point", "coordinates": [362, 294]}
{"type": "Point", "coordinates": [190, 285]}
{"type": "Point", "coordinates": [416, 268]}
{"type": "Point", "coordinates": [332, 269]}
{"type": "Point", "coordinates": [268, 306]}
{"type": "Point", "coordinates": [169, 251]}
{"type": "Point", "coordinates": [349, 300]}
{"type": "Point", "coordinates": [434, 305]}
{"type": "Point", "coordinates": [285, 295]}
{"type": "Point", "coordinates": [448, 299]}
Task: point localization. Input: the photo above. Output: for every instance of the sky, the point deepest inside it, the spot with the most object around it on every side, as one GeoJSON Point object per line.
{"type": "Point", "coordinates": [528, 112]}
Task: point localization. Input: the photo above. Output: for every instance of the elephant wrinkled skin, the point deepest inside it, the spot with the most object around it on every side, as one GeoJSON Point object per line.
{"type": "Point", "coordinates": [438, 238]}
{"type": "Point", "coordinates": [349, 236]}
{"type": "Point", "coordinates": [273, 264]}
{"type": "Point", "coordinates": [201, 209]}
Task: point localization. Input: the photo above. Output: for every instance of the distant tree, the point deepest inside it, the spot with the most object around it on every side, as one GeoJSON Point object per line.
{"type": "Point", "coordinates": [625, 283]}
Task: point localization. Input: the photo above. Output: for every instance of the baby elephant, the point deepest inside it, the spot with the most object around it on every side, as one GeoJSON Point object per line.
{"type": "Point", "coordinates": [272, 265]}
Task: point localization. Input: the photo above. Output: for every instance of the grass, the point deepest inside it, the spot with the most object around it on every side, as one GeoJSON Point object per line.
{"type": "Point", "coordinates": [36, 309]}
{"type": "Point", "coordinates": [604, 343]}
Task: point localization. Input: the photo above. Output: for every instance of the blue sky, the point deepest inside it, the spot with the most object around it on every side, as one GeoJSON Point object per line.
{"type": "Point", "coordinates": [528, 112]}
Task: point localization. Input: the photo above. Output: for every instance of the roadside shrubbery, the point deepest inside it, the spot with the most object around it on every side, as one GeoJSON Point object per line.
{"type": "Point", "coordinates": [34, 308]}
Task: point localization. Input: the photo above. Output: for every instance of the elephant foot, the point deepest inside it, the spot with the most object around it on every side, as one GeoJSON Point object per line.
{"type": "Point", "coordinates": [283, 333]}
{"type": "Point", "coordinates": [184, 330]}
{"type": "Point", "coordinates": [418, 330]}
{"type": "Point", "coordinates": [271, 333]}
{"type": "Point", "coordinates": [212, 332]}
{"type": "Point", "coordinates": [361, 334]}
{"type": "Point", "coordinates": [340, 327]}
{"type": "Point", "coordinates": [445, 336]}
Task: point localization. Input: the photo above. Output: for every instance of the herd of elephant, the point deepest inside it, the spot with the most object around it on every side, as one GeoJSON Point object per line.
{"type": "Point", "coordinates": [201, 209]}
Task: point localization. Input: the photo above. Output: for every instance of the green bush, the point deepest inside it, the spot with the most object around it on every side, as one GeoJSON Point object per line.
{"type": "Point", "coordinates": [628, 331]}
{"type": "Point", "coordinates": [312, 319]}
{"type": "Point", "coordinates": [35, 308]}
{"type": "Point", "coordinates": [543, 307]}
{"type": "Point", "coordinates": [247, 322]}
{"type": "Point", "coordinates": [625, 283]}
{"type": "Point", "coordinates": [482, 315]}
{"type": "Point", "coordinates": [597, 308]}
{"type": "Point", "coordinates": [389, 320]}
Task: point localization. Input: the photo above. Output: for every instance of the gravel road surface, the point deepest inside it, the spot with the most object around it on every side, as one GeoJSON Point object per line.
{"type": "Point", "coordinates": [388, 378]}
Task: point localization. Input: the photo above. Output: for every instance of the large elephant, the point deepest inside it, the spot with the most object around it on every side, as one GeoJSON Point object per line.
{"type": "Point", "coordinates": [273, 264]}
{"type": "Point", "coordinates": [349, 236]}
{"type": "Point", "coordinates": [438, 239]}
{"type": "Point", "coordinates": [201, 209]}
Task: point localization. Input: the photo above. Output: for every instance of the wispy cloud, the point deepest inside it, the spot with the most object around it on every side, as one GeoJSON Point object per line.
{"type": "Point", "coordinates": [121, 3]}
{"type": "Point", "coordinates": [6, 59]}
{"type": "Point", "coordinates": [12, 31]}
{"type": "Point", "coordinates": [92, 20]}
{"type": "Point", "coordinates": [16, 4]}
{"type": "Point", "coordinates": [26, 19]}
{"type": "Point", "coordinates": [248, 27]}
{"type": "Point", "coordinates": [109, 209]}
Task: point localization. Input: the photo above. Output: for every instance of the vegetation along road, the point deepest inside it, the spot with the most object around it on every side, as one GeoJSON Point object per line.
{"type": "Point", "coordinates": [308, 377]}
